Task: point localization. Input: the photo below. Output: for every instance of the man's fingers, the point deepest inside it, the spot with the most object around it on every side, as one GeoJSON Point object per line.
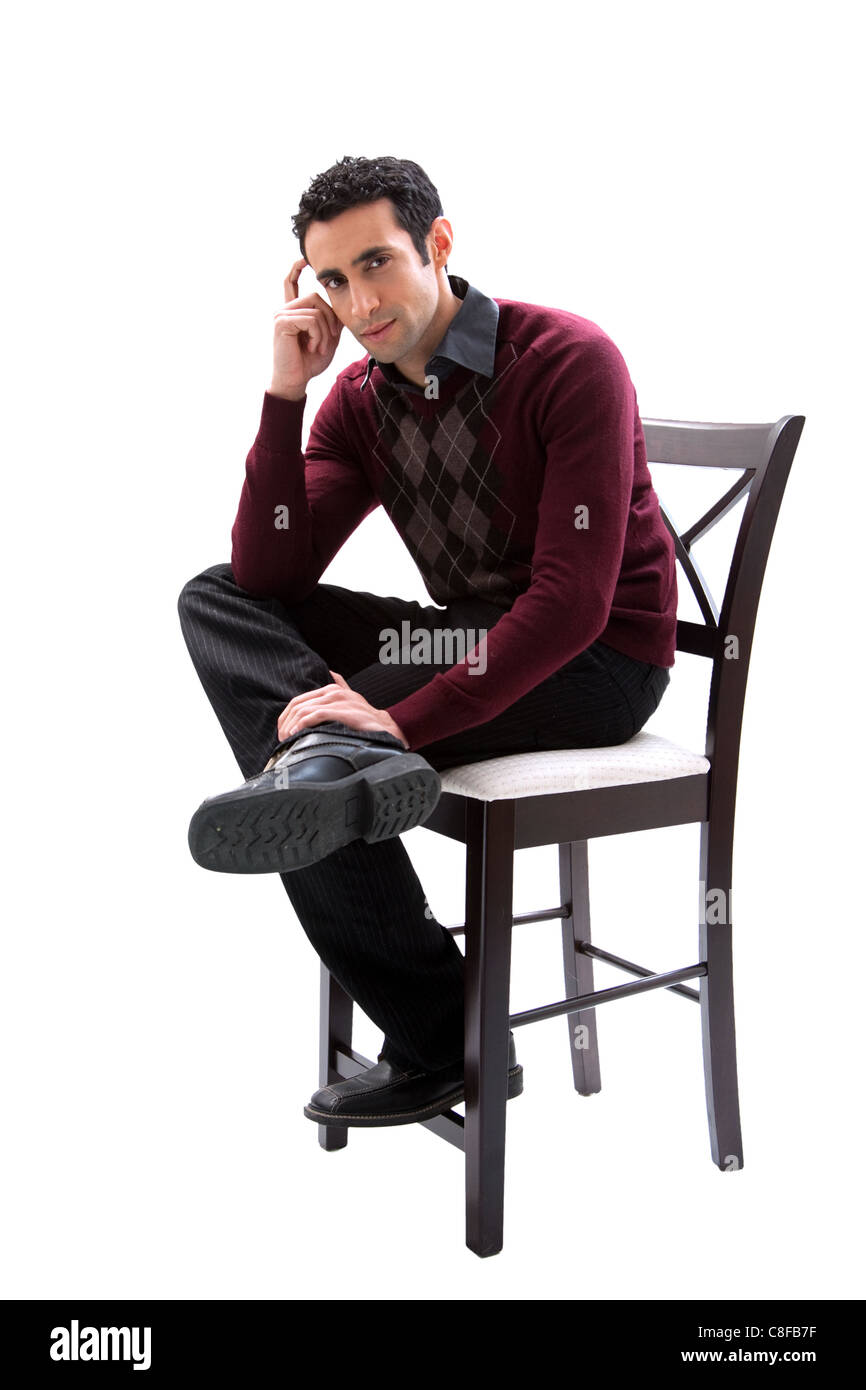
{"type": "Point", "coordinates": [303, 721]}
{"type": "Point", "coordinates": [306, 695]}
{"type": "Point", "coordinates": [298, 321]}
{"type": "Point", "coordinates": [320, 702]}
{"type": "Point", "coordinates": [290, 294]}
{"type": "Point", "coordinates": [308, 318]}
{"type": "Point", "coordinates": [301, 317]}
{"type": "Point", "coordinates": [307, 709]}
{"type": "Point", "coordinates": [290, 284]}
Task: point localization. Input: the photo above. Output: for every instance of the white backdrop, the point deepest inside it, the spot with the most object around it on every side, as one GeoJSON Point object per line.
{"type": "Point", "coordinates": [686, 178]}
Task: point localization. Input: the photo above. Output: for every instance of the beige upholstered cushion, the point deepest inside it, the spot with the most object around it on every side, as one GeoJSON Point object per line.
{"type": "Point", "coordinates": [644, 758]}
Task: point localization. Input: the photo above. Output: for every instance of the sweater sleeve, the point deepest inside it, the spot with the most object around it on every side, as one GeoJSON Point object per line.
{"type": "Point", "coordinates": [296, 510]}
{"type": "Point", "coordinates": [587, 420]}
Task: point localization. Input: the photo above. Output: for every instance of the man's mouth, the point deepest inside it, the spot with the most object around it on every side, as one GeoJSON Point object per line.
{"type": "Point", "coordinates": [378, 332]}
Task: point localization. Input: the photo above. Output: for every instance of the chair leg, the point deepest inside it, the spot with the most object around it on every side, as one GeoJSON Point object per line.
{"type": "Point", "coordinates": [717, 1001]}
{"type": "Point", "coordinates": [489, 878]}
{"type": "Point", "coordinates": [582, 1030]}
{"type": "Point", "coordinates": [335, 1029]}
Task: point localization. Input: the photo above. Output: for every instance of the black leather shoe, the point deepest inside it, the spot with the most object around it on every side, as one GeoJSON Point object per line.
{"type": "Point", "coordinates": [322, 791]}
{"type": "Point", "coordinates": [388, 1095]}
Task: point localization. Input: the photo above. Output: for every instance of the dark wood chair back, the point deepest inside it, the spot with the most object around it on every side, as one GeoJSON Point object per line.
{"type": "Point", "coordinates": [762, 454]}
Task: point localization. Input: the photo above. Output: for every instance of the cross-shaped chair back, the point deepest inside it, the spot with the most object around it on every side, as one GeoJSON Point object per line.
{"type": "Point", "coordinates": [762, 455]}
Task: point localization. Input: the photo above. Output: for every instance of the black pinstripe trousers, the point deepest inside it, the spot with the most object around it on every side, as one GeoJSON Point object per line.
{"type": "Point", "coordinates": [363, 907]}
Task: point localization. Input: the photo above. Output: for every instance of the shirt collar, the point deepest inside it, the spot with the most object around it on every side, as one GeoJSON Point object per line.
{"type": "Point", "coordinates": [469, 340]}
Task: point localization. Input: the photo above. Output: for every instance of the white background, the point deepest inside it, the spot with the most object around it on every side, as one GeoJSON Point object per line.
{"type": "Point", "coordinates": [687, 177]}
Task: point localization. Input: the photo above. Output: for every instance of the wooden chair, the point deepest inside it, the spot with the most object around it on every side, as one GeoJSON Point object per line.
{"type": "Point", "coordinates": [570, 796]}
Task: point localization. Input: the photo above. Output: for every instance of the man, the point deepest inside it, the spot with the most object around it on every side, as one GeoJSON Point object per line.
{"type": "Point", "coordinates": [504, 441]}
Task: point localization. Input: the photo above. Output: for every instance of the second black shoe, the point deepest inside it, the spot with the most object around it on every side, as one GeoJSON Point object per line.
{"type": "Point", "coordinates": [320, 793]}
{"type": "Point", "coordinates": [387, 1094]}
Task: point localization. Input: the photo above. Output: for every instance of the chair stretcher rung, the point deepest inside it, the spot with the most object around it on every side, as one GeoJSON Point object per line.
{"type": "Point", "coordinates": [581, 1002]}
{"type": "Point", "coordinates": [586, 948]}
{"type": "Point", "coordinates": [543, 914]}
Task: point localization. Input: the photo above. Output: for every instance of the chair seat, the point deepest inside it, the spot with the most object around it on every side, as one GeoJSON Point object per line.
{"type": "Point", "coordinates": [644, 758]}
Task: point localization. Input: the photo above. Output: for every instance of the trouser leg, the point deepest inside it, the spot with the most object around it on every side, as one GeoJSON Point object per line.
{"type": "Point", "coordinates": [362, 907]}
{"type": "Point", "coordinates": [252, 659]}
{"type": "Point", "coordinates": [365, 912]}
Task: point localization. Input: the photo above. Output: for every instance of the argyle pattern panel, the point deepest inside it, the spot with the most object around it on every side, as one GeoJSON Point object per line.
{"type": "Point", "coordinates": [442, 490]}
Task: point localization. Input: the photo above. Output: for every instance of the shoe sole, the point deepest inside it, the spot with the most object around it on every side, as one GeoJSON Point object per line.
{"type": "Point", "coordinates": [406, 1117]}
{"type": "Point", "coordinates": [288, 828]}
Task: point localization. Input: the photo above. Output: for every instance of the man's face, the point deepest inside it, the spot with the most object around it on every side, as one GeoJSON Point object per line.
{"type": "Point", "coordinates": [372, 274]}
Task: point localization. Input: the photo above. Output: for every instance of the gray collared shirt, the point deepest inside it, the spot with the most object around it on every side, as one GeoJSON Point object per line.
{"type": "Point", "coordinates": [469, 340]}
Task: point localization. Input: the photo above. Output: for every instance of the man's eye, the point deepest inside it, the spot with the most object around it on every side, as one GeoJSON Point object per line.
{"type": "Point", "coordinates": [376, 260]}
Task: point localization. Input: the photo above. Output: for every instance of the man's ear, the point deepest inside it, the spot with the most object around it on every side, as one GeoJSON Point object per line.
{"type": "Point", "coordinates": [442, 226]}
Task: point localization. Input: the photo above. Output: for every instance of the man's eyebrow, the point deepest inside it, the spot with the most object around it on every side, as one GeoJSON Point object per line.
{"type": "Point", "coordinates": [364, 256]}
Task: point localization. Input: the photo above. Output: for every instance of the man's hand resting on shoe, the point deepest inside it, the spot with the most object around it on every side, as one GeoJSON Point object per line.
{"type": "Point", "coordinates": [337, 701]}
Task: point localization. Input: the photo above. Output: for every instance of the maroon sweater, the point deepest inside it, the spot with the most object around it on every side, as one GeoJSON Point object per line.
{"type": "Point", "coordinates": [529, 489]}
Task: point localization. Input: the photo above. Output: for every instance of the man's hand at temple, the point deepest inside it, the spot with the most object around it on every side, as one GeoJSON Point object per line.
{"type": "Point", "coordinates": [338, 701]}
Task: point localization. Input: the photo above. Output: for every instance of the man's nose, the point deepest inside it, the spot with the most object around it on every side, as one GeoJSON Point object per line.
{"type": "Point", "coordinates": [365, 302]}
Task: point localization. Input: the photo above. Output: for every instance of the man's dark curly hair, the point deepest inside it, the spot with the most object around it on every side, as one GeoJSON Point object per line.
{"type": "Point", "coordinates": [357, 180]}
